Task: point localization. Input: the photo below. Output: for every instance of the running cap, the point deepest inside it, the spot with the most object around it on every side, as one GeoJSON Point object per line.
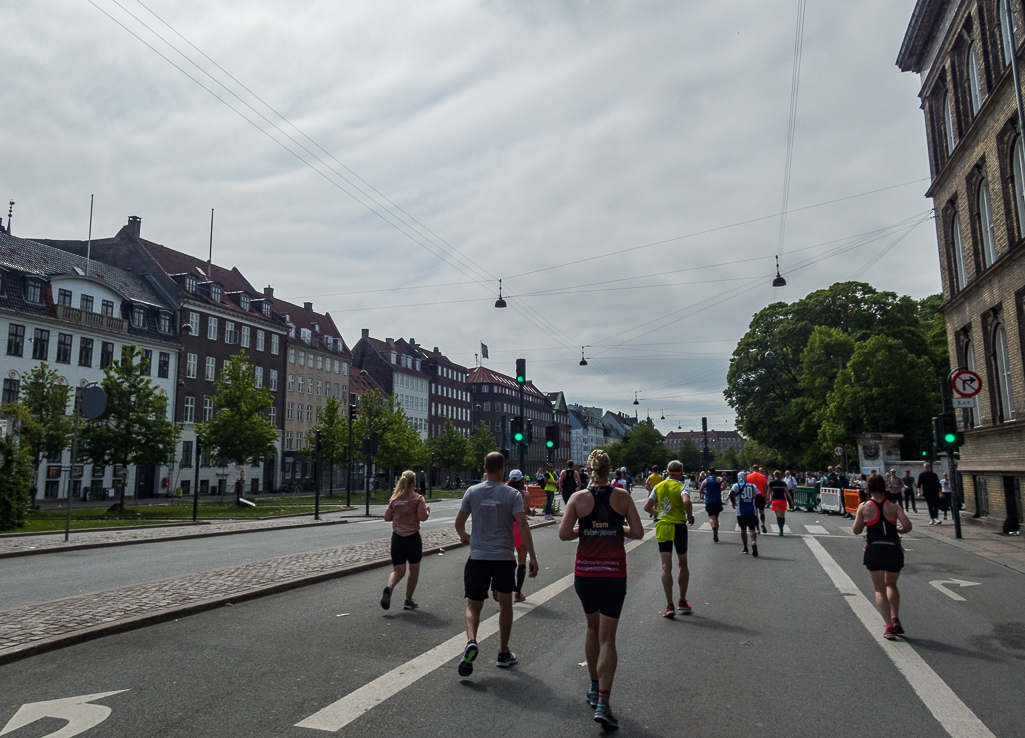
{"type": "Point", "coordinates": [623, 469]}
{"type": "Point", "coordinates": [742, 477]}
{"type": "Point", "coordinates": [515, 474]}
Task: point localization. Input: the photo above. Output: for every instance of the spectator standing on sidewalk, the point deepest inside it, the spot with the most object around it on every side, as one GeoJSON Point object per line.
{"type": "Point", "coordinates": [945, 494]}
{"type": "Point", "coordinates": [909, 491]}
{"type": "Point", "coordinates": [406, 510]}
{"type": "Point", "coordinates": [929, 483]}
{"type": "Point", "coordinates": [791, 483]}
{"type": "Point", "coordinates": [894, 486]}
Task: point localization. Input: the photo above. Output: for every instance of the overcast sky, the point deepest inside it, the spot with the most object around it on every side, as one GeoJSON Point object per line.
{"type": "Point", "coordinates": [521, 135]}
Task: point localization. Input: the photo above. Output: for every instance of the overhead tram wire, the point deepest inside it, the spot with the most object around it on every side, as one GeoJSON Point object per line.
{"type": "Point", "coordinates": [795, 86]}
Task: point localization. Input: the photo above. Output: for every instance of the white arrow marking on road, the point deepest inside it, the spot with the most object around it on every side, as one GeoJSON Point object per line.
{"type": "Point", "coordinates": [81, 716]}
{"type": "Point", "coordinates": [940, 585]}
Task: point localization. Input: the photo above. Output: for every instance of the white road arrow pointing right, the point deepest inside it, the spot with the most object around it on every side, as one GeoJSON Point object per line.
{"type": "Point", "coordinates": [939, 584]}
{"type": "Point", "coordinates": [81, 716]}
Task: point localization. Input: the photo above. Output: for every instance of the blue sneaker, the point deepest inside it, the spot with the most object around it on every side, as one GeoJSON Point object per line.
{"type": "Point", "coordinates": [469, 655]}
{"type": "Point", "coordinates": [592, 697]}
{"type": "Point", "coordinates": [505, 660]}
{"type": "Point", "coordinates": [604, 716]}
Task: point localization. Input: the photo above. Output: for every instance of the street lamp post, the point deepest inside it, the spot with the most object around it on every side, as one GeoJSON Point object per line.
{"type": "Point", "coordinates": [348, 458]}
{"type": "Point", "coordinates": [195, 487]}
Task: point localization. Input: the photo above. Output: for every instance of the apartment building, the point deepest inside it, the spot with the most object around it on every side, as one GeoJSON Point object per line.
{"type": "Point", "coordinates": [400, 372]}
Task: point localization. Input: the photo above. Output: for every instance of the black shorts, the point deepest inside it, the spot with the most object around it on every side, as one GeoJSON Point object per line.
{"type": "Point", "coordinates": [480, 576]}
{"type": "Point", "coordinates": [748, 521]}
{"type": "Point", "coordinates": [759, 502]}
{"type": "Point", "coordinates": [883, 557]}
{"type": "Point", "coordinates": [604, 595]}
{"type": "Point", "coordinates": [713, 508]}
{"type": "Point", "coordinates": [679, 541]}
{"type": "Point", "coordinates": [406, 549]}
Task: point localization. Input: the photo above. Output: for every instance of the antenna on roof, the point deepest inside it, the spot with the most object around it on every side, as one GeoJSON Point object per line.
{"type": "Point", "coordinates": [10, 215]}
{"type": "Point", "coordinates": [89, 243]}
{"type": "Point", "coordinates": [210, 260]}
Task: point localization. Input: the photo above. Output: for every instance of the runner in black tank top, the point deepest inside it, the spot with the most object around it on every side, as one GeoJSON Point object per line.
{"type": "Point", "coordinates": [883, 522]}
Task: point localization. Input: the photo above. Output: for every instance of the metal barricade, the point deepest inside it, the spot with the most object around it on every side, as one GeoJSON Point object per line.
{"type": "Point", "coordinates": [831, 500]}
{"type": "Point", "coordinates": [806, 497]}
{"type": "Point", "coordinates": [851, 500]}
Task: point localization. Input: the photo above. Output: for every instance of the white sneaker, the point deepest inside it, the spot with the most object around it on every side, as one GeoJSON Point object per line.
{"type": "Point", "coordinates": [549, 517]}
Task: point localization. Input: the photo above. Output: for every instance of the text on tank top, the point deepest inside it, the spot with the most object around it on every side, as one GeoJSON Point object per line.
{"type": "Point", "coordinates": [882, 530]}
{"type": "Point", "coordinates": [600, 551]}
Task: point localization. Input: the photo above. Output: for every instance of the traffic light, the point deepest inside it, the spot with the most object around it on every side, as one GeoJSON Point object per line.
{"type": "Point", "coordinates": [519, 436]}
{"type": "Point", "coordinates": [551, 437]}
{"type": "Point", "coordinates": [521, 371]}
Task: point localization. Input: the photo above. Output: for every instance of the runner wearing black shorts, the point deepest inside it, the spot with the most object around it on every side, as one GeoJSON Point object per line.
{"type": "Point", "coordinates": [406, 510]}
{"type": "Point", "coordinates": [711, 488]}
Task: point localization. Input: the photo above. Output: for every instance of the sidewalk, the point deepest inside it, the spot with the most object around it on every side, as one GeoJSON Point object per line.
{"type": "Point", "coordinates": [33, 629]}
{"type": "Point", "coordinates": [977, 538]}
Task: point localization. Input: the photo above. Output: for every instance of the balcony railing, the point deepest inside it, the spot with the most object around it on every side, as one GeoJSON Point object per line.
{"type": "Point", "coordinates": [92, 320]}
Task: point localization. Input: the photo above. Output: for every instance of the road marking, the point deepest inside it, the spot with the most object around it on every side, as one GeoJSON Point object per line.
{"type": "Point", "coordinates": [948, 709]}
{"type": "Point", "coordinates": [816, 530]}
{"type": "Point", "coordinates": [940, 585]}
{"type": "Point", "coordinates": [705, 526]}
{"type": "Point", "coordinates": [337, 715]}
{"type": "Point", "coordinates": [81, 715]}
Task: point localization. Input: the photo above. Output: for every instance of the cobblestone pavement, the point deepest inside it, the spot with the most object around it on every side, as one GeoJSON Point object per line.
{"type": "Point", "coordinates": [26, 630]}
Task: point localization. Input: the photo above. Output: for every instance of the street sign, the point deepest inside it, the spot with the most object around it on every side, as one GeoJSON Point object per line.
{"type": "Point", "coordinates": [965, 402]}
{"type": "Point", "coordinates": [79, 713]}
{"type": "Point", "coordinates": [839, 450]}
{"type": "Point", "coordinates": [967, 383]}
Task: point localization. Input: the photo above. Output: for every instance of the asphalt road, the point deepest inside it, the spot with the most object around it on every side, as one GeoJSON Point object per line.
{"type": "Point", "coordinates": [773, 648]}
{"type": "Point", "coordinates": [30, 580]}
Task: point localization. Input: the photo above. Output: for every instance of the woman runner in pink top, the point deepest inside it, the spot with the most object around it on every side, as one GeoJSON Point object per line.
{"type": "Point", "coordinates": [406, 510]}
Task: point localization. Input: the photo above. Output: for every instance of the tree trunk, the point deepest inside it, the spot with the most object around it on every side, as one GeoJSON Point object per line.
{"type": "Point", "coordinates": [124, 484]}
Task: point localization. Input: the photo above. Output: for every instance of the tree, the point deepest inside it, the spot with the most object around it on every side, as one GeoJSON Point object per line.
{"type": "Point", "coordinates": [641, 448]}
{"type": "Point", "coordinates": [239, 429]}
{"type": "Point", "coordinates": [399, 443]}
{"type": "Point", "coordinates": [15, 483]}
{"type": "Point", "coordinates": [334, 436]}
{"type": "Point", "coordinates": [449, 448]}
{"type": "Point", "coordinates": [689, 455]}
{"type": "Point", "coordinates": [727, 459]}
{"type": "Point", "coordinates": [135, 428]}
{"type": "Point", "coordinates": [45, 424]}
{"type": "Point", "coordinates": [480, 443]}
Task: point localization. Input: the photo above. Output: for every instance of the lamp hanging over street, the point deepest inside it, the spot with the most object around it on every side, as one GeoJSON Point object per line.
{"type": "Point", "coordinates": [778, 281]}
{"type": "Point", "coordinates": [583, 361]}
{"type": "Point", "coordinates": [663, 415]}
{"type": "Point", "coordinates": [500, 303]}
{"type": "Point", "coordinates": [635, 399]}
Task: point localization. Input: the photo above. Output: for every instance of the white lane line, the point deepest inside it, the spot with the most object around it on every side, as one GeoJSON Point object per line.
{"type": "Point", "coordinates": [705, 526]}
{"type": "Point", "coordinates": [337, 715]}
{"type": "Point", "coordinates": [948, 709]}
{"type": "Point", "coordinates": [816, 530]}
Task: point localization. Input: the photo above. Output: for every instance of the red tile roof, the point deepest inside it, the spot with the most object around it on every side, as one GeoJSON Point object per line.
{"type": "Point", "coordinates": [319, 324]}
{"type": "Point", "coordinates": [483, 375]}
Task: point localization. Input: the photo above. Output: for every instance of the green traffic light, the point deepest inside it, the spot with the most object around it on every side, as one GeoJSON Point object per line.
{"type": "Point", "coordinates": [519, 379]}
{"type": "Point", "coordinates": [950, 438]}
{"type": "Point", "coordinates": [550, 444]}
{"type": "Point", "coordinates": [518, 437]}
{"type": "Point", "coordinates": [925, 453]}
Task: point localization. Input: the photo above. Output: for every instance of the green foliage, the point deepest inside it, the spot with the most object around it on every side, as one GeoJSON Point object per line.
{"type": "Point", "coordinates": [399, 444]}
{"type": "Point", "coordinates": [641, 448]}
{"type": "Point", "coordinates": [134, 429]}
{"type": "Point", "coordinates": [689, 455]}
{"type": "Point", "coordinates": [46, 429]}
{"type": "Point", "coordinates": [15, 481]}
{"type": "Point", "coordinates": [239, 428]}
{"type": "Point", "coordinates": [333, 427]}
{"type": "Point", "coordinates": [480, 443]}
{"type": "Point", "coordinates": [727, 459]}
{"type": "Point", "coordinates": [450, 448]}
{"type": "Point", "coordinates": [788, 363]}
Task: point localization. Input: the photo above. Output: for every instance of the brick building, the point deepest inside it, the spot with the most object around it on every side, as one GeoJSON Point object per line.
{"type": "Point", "coordinates": [449, 398]}
{"type": "Point", "coordinates": [962, 51]}
{"type": "Point", "coordinates": [718, 441]}
{"type": "Point", "coordinates": [496, 401]}
{"type": "Point", "coordinates": [399, 370]}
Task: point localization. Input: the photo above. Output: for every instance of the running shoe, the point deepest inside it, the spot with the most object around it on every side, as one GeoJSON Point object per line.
{"type": "Point", "coordinates": [898, 629]}
{"type": "Point", "coordinates": [469, 655]}
{"type": "Point", "coordinates": [386, 598]}
{"type": "Point", "coordinates": [519, 597]}
{"type": "Point", "coordinates": [743, 550]}
{"type": "Point", "coordinates": [604, 716]}
{"type": "Point", "coordinates": [684, 607]}
{"type": "Point", "coordinates": [889, 633]}
{"type": "Point", "coordinates": [592, 697]}
{"type": "Point", "coordinates": [549, 517]}
{"type": "Point", "coordinates": [763, 528]}
{"type": "Point", "coordinates": [669, 612]}
{"type": "Point", "coordinates": [410, 605]}
{"type": "Point", "coordinates": [781, 534]}
{"type": "Point", "coordinates": [715, 536]}
{"type": "Point", "coordinates": [939, 522]}
{"type": "Point", "coordinates": [754, 550]}
{"type": "Point", "coordinates": [505, 660]}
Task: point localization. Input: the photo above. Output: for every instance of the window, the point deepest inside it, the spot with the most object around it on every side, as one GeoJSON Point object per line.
{"type": "Point", "coordinates": [309, 413]}
{"type": "Point", "coordinates": [191, 362]}
{"type": "Point", "coordinates": [1018, 177]}
{"type": "Point", "coordinates": [969, 360]}
{"type": "Point", "coordinates": [948, 123]}
{"type": "Point", "coordinates": [291, 382]}
{"type": "Point", "coordinates": [259, 340]}
{"type": "Point", "coordinates": [274, 343]}
{"type": "Point", "coordinates": [147, 362]}
{"type": "Point", "coordinates": [288, 440]}
{"type": "Point", "coordinates": [216, 292]}
{"type": "Point", "coordinates": [272, 415]}
{"type": "Point", "coordinates": [12, 388]}
{"type": "Point", "coordinates": [64, 297]}
{"type": "Point", "coordinates": [190, 284]}
{"type": "Point", "coordinates": [309, 386]}
{"type": "Point", "coordinates": [3, 282]}
{"type": "Point", "coordinates": [1002, 365]}
{"type": "Point", "coordinates": [138, 316]}
{"type": "Point", "coordinates": [106, 354]}
{"type": "Point", "coordinates": [186, 453]}
{"type": "Point", "coordinates": [274, 380]}
{"type": "Point", "coordinates": [302, 358]}
{"type": "Point", "coordinates": [211, 328]}
{"type": "Point", "coordinates": [989, 248]}
{"type": "Point", "coordinates": [85, 352]}
{"type": "Point", "coordinates": [291, 356]}
{"type": "Point", "coordinates": [487, 407]}
{"type": "Point", "coordinates": [16, 340]}
{"type": "Point", "coordinates": [318, 386]}
{"type": "Point", "coordinates": [33, 290]}
{"type": "Point", "coordinates": [974, 90]}
{"type": "Point", "coordinates": [86, 303]}
{"type": "Point", "coordinates": [266, 309]}
{"type": "Point", "coordinates": [336, 366]}
{"type": "Point", "coordinates": [345, 368]}
{"type": "Point", "coordinates": [164, 365]}
{"type": "Point", "coordinates": [211, 369]}
{"type": "Point", "coordinates": [64, 348]}
{"type": "Point", "coordinates": [107, 308]}
{"type": "Point", "coordinates": [164, 322]}
{"type": "Point", "coordinates": [41, 344]}
{"type": "Point", "coordinates": [190, 410]}
{"type": "Point", "coordinates": [290, 411]}
{"type": "Point", "coordinates": [258, 376]}
{"type": "Point", "coordinates": [229, 332]}
{"type": "Point", "coordinates": [243, 302]}
{"type": "Point", "coordinates": [244, 342]}
{"type": "Point", "coordinates": [208, 408]}
{"type": "Point", "coordinates": [320, 362]}
{"type": "Point", "coordinates": [301, 380]}
{"type": "Point", "coordinates": [194, 323]}
{"type": "Point", "coordinates": [960, 277]}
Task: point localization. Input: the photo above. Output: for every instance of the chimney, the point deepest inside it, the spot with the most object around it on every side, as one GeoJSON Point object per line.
{"type": "Point", "coordinates": [268, 293]}
{"type": "Point", "coordinates": [366, 333]}
{"type": "Point", "coordinates": [308, 306]}
{"type": "Point", "coordinates": [412, 342]}
{"type": "Point", "coordinates": [134, 227]}
{"type": "Point", "coordinates": [390, 341]}
{"type": "Point", "coordinates": [436, 350]}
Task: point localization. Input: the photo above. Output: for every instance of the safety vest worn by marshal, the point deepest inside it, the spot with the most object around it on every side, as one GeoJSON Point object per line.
{"type": "Point", "coordinates": [551, 482]}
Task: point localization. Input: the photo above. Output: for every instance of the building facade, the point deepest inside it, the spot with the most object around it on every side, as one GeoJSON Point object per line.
{"type": "Point", "coordinates": [586, 432]}
{"type": "Point", "coordinates": [76, 316]}
{"type": "Point", "coordinates": [496, 401]}
{"type": "Point", "coordinates": [449, 398]}
{"type": "Point", "coordinates": [962, 51]}
{"type": "Point", "coordinates": [718, 441]}
{"type": "Point", "coordinates": [399, 371]}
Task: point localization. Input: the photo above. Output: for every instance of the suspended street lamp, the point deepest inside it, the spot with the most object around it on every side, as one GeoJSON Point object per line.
{"type": "Point", "coordinates": [778, 281]}
{"type": "Point", "coordinates": [583, 361]}
{"type": "Point", "coordinates": [500, 303]}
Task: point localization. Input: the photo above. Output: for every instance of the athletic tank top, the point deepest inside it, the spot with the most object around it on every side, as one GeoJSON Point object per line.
{"type": "Point", "coordinates": [713, 490]}
{"type": "Point", "coordinates": [882, 530]}
{"type": "Point", "coordinates": [778, 489]}
{"type": "Point", "coordinates": [600, 551]}
{"type": "Point", "coordinates": [744, 494]}
{"type": "Point", "coordinates": [569, 481]}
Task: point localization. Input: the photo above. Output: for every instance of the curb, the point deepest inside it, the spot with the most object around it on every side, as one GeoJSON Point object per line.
{"type": "Point", "coordinates": [15, 536]}
{"type": "Point", "coordinates": [173, 613]}
{"type": "Point", "coordinates": [112, 544]}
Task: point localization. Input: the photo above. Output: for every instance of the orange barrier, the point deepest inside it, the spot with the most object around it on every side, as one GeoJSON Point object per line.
{"type": "Point", "coordinates": [851, 500]}
{"type": "Point", "coordinates": [538, 500]}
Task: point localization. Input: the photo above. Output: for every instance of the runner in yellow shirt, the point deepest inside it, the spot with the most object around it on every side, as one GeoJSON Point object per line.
{"type": "Point", "coordinates": [653, 480]}
{"type": "Point", "coordinates": [673, 506]}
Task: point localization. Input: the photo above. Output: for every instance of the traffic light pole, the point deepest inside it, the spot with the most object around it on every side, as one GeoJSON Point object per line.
{"type": "Point", "coordinates": [955, 488]}
{"type": "Point", "coordinates": [523, 425]}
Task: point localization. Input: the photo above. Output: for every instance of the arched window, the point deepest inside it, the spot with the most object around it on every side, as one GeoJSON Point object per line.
{"type": "Point", "coordinates": [948, 123]}
{"type": "Point", "coordinates": [969, 360]}
{"type": "Point", "coordinates": [975, 91]}
{"type": "Point", "coordinates": [989, 242]}
{"type": "Point", "coordinates": [1018, 176]}
{"type": "Point", "coordinates": [960, 276]}
{"type": "Point", "coordinates": [1002, 365]}
{"type": "Point", "coordinates": [1006, 42]}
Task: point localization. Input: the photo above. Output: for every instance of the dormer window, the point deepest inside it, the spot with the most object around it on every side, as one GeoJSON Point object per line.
{"type": "Point", "coordinates": [243, 302]}
{"type": "Point", "coordinates": [216, 293]}
{"type": "Point", "coordinates": [138, 316]}
{"type": "Point", "coordinates": [191, 284]}
{"type": "Point", "coordinates": [165, 323]}
{"type": "Point", "coordinates": [418, 365]}
{"type": "Point", "coordinates": [3, 282]}
{"type": "Point", "coordinates": [306, 335]}
{"type": "Point", "coordinates": [33, 291]}
{"type": "Point", "coordinates": [266, 309]}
